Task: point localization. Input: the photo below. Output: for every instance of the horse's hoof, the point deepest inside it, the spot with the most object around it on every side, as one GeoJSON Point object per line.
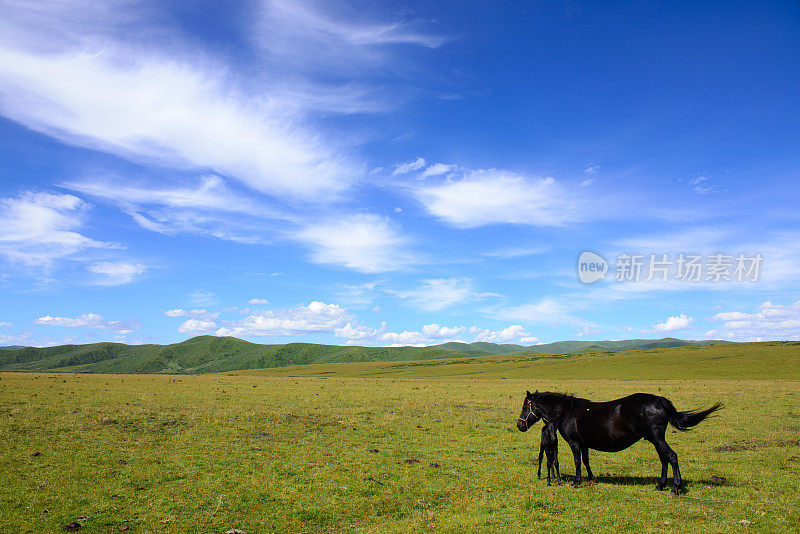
{"type": "Point", "coordinates": [675, 492]}
{"type": "Point", "coordinates": [659, 487]}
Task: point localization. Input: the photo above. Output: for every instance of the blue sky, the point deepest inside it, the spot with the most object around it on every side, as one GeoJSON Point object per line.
{"type": "Point", "coordinates": [397, 173]}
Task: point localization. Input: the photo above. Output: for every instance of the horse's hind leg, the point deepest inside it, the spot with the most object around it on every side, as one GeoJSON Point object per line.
{"type": "Point", "coordinates": [585, 455]}
{"type": "Point", "coordinates": [667, 455]}
{"type": "Point", "coordinates": [576, 454]}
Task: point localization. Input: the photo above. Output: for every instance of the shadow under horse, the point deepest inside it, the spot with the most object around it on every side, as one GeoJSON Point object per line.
{"type": "Point", "coordinates": [612, 426]}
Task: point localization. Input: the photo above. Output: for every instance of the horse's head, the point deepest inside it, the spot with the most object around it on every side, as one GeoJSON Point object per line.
{"type": "Point", "coordinates": [530, 412]}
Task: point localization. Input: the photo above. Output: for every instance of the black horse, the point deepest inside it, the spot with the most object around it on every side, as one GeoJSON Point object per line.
{"type": "Point", "coordinates": [549, 446]}
{"type": "Point", "coordinates": [612, 426]}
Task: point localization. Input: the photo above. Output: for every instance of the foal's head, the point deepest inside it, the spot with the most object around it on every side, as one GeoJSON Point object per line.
{"type": "Point", "coordinates": [530, 412]}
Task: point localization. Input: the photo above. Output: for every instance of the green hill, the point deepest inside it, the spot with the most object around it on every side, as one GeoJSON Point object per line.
{"type": "Point", "coordinates": [210, 354]}
{"type": "Point", "coordinates": [562, 347]}
{"type": "Point", "coordinates": [203, 354]}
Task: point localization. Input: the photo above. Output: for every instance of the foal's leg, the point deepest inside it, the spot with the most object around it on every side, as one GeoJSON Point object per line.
{"type": "Point", "coordinates": [558, 473]}
{"type": "Point", "coordinates": [585, 454]}
{"type": "Point", "coordinates": [541, 452]}
{"type": "Point", "coordinates": [549, 466]}
{"type": "Point", "coordinates": [576, 454]}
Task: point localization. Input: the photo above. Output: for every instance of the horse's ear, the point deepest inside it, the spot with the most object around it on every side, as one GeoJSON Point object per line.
{"type": "Point", "coordinates": [537, 391]}
{"type": "Point", "coordinates": [527, 393]}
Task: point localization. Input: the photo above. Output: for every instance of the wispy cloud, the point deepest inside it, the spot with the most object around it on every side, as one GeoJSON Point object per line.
{"type": "Point", "coordinates": [91, 320]}
{"type": "Point", "coordinates": [37, 228]}
{"type": "Point", "coordinates": [494, 196]}
{"type": "Point", "coordinates": [362, 242]}
{"type": "Point", "coordinates": [439, 293]}
{"type": "Point", "coordinates": [114, 273]}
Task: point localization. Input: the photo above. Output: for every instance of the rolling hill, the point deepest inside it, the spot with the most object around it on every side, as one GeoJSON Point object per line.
{"type": "Point", "coordinates": [210, 354]}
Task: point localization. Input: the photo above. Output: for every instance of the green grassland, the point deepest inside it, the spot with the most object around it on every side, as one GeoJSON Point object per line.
{"type": "Point", "coordinates": [290, 449]}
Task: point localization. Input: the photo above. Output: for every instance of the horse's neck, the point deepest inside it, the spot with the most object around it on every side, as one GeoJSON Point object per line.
{"type": "Point", "coordinates": [553, 409]}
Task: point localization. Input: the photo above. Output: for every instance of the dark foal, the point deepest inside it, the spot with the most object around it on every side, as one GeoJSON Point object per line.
{"type": "Point", "coordinates": [549, 446]}
{"type": "Point", "coordinates": [612, 426]}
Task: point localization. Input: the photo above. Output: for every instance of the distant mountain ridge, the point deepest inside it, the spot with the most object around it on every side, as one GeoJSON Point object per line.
{"type": "Point", "coordinates": [577, 346]}
{"type": "Point", "coordinates": [210, 354]}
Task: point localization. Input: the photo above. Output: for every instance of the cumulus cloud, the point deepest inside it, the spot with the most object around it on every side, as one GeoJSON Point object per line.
{"type": "Point", "coordinates": [114, 273]}
{"type": "Point", "coordinates": [37, 228]}
{"type": "Point", "coordinates": [257, 302]}
{"type": "Point", "coordinates": [362, 242]}
{"type": "Point", "coordinates": [197, 326]}
{"type": "Point", "coordinates": [494, 196]}
{"type": "Point", "coordinates": [770, 322]}
{"type": "Point", "coordinates": [317, 317]}
{"type": "Point", "coordinates": [679, 322]}
{"type": "Point", "coordinates": [431, 334]}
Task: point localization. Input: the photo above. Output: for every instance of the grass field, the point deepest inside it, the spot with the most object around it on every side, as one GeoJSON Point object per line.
{"type": "Point", "coordinates": [269, 450]}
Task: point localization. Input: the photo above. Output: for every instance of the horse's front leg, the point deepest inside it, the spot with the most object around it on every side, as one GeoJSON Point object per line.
{"type": "Point", "coordinates": [585, 455]}
{"type": "Point", "coordinates": [576, 454]}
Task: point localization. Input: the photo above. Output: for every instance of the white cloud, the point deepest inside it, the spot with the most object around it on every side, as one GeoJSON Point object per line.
{"type": "Point", "coordinates": [770, 322]}
{"type": "Point", "coordinates": [202, 297]}
{"type": "Point", "coordinates": [37, 228]}
{"type": "Point", "coordinates": [90, 320]}
{"type": "Point", "coordinates": [355, 332]}
{"type": "Point", "coordinates": [208, 207]}
{"type": "Point", "coordinates": [117, 272]}
{"type": "Point", "coordinates": [495, 197]}
{"type": "Point", "coordinates": [513, 333]}
{"type": "Point", "coordinates": [679, 322]}
{"type": "Point", "coordinates": [196, 313]}
{"type": "Point", "coordinates": [437, 169]}
{"type": "Point", "coordinates": [545, 311]}
{"type": "Point", "coordinates": [438, 293]}
{"type": "Point", "coordinates": [258, 301]}
{"type": "Point", "coordinates": [322, 38]}
{"type": "Point", "coordinates": [587, 182]}
{"type": "Point", "coordinates": [362, 242]}
{"type": "Point", "coordinates": [317, 317]}
{"type": "Point", "coordinates": [586, 331]}
{"type": "Point", "coordinates": [431, 334]}
{"type": "Point", "coordinates": [154, 109]}
{"type": "Point", "coordinates": [592, 169]}
{"type": "Point", "coordinates": [409, 166]}
{"type": "Point", "coordinates": [4, 324]}
{"type": "Point", "coordinates": [9, 340]}
{"type": "Point", "coordinates": [196, 326]}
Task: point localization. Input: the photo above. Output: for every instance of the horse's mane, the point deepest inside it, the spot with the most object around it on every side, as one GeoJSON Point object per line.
{"type": "Point", "coordinates": [554, 395]}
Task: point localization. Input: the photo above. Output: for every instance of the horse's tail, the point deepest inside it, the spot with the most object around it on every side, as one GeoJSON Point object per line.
{"type": "Point", "coordinates": [686, 420]}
